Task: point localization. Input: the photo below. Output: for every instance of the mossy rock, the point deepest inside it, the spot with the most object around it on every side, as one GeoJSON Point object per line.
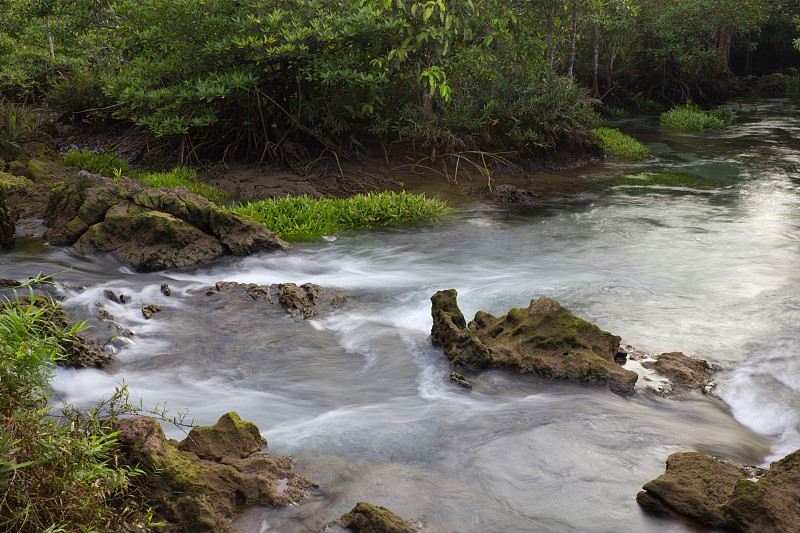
{"type": "Point", "coordinates": [18, 168]}
{"type": "Point", "coordinates": [198, 493]}
{"type": "Point", "coordinates": [368, 518]}
{"type": "Point", "coordinates": [544, 338]}
{"type": "Point", "coordinates": [11, 183]}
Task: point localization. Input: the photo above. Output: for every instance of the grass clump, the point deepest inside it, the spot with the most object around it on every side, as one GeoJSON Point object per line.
{"type": "Point", "coordinates": [183, 177]}
{"type": "Point", "coordinates": [617, 144]}
{"type": "Point", "coordinates": [665, 179]}
{"type": "Point", "coordinates": [105, 164]}
{"type": "Point", "coordinates": [17, 125]}
{"type": "Point", "coordinates": [111, 166]}
{"type": "Point", "coordinates": [303, 217]}
{"type": "Point", "coordinates": [689, 117]}
{"type": "Point", "coordinates": [57, 472]}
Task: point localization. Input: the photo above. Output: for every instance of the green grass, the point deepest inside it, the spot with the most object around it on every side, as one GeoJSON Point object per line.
{"type": "Point", "coordinates": [111, 166]}
{"type": "Point", "coordinates": [665, 179]}
{"type": "Point", "coordinates": [617, 144]}
{"type": "Point", "coordinates": [183, 177]}
{"type": "Point", "coordinates": [689, 117]}
{"type": "Point", "coordinates": [793, 83]}
{"type": "Point", "coordinates": [105, 164]}
{"type": "Point", "coordinates": [303, 217]}
{"type": "Point", "coordinates": [54, 475]}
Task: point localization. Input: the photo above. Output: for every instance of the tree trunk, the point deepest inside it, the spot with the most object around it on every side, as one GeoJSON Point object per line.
{"type": "Point", "coordinates": [550, 34]}
{"type": "Point", "coordinates": [574, 37]}
{"type": "Point", "coordinates": [724, 48]}
{"type": "Point", "coordinates": [595, 61]}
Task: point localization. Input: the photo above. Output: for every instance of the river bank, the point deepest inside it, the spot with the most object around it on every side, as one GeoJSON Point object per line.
{"type": "Point", "coordinates": [365, 404]}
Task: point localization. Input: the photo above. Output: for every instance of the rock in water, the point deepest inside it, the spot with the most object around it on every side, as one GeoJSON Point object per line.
{"type": "Point", "coordinates": [368, 518]}
{"type": "Point", "coordinates": [197, 485]}
{"type": "Point", "coordinates": [682, 370]}
{"type": "Point", "coordinates": [150, 229]}
{"type": "Point", "coordinates": [726, 495]}
{"type": "Point", "coordinates": [546, 339]}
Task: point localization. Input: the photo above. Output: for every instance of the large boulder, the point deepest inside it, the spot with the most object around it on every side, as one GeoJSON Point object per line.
{"type": "Point", "coordinates": [197, 484]}
{"type": "Point", "coordinates": [546, 339]}
{"type": "Point", "coordinates": [150, 229]}
{"type": "Point", "coordinates": [729, 496]}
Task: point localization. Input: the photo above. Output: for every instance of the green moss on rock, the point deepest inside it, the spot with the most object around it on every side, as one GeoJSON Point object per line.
{"type": "Point", "coordinates": [545, 338]}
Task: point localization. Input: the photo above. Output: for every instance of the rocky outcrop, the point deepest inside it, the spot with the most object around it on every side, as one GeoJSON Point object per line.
{"type": "Point", "coordinates": [725, 495]}
{"type": "Point", "coordinates": [368, 518]}
{"type": "Point", "coordinates": [682, 370]}
{"type": "Point", "coordinates": [197, 484]}
{"type": "Point", "coordinates": [305, 300]}
{"type": "Point", "coordinates": [7, 224]}
{"type": "Point", "coordinates": [546, 339]}
{"type": "Point", "coordinates": [150, 229]}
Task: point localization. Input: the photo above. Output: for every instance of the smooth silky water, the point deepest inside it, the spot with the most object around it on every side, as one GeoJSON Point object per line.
{"type": "Point", "coordinates": [364, 403]}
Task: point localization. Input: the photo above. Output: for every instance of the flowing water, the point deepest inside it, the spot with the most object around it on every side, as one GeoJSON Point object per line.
{"type": "Point", "coordinates": [363, 401]}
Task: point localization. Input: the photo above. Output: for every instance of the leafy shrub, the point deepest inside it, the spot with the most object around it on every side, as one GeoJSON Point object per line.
{"type": "Point", "coordinates": [793, 83]}
{"type": "Point", "coordinates": [618, 144]}
{"type": "Point", "coordinates": [302, 217]}
{"type": "Point", "coordinates": [54, 475]}
{"type": "Point", "coordinates": [690, 117]}
{"type": "Point", "coordinates": [17, 125]}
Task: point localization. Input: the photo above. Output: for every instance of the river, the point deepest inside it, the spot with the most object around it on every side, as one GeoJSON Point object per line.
{"type": "Point", "coordinates": [364, 403]}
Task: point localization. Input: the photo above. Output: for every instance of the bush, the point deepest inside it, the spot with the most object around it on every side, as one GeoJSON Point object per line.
{"type": "Point", "coordinates": [55, 474]}
{"type": "Point", "coordinates": [616, 143]}
{"type": "Point", "coordinates": [302, 217]}
{"type": "Point", "coordinates": [793, 83]}
{"type": "Point", "coordinates": [17, 125]}
{"type": "Point", "coordinates": [689, 117]}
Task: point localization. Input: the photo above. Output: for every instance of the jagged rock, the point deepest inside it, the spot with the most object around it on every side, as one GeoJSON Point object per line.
{"type": "Point", "coordinates": [306, 300]}
{"type": "Point", "coordinates": [79, 351]}
{"type": "Point", "coordinates": [149, 310]}
{"type": "Point", "coordinates": [682, 370]}
{"type": "Point", "coordinates": [197, 485]}
{"type": "Point", "coordinates": [150, 229]}
{"type": "Point", "coordinates": [368, 518]}
{"type": "Point", "coordinates": [7, 225]}
{"type": "Point", "coordinates": [725, 495]}
{"type": "Point", "coordinates": [165, 290]}
{"type": "Point", "coordinates": [546, 339]}
{"type": "Point", "coordinates": [111, 295]}
{"type": "Point", "coordinates": [460, 380]}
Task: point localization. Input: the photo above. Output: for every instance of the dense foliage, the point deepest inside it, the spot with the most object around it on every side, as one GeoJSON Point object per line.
{"type": "Point", "coordinates": [282, 80]}
{"type": "Point", "coordinates": [56, 473]}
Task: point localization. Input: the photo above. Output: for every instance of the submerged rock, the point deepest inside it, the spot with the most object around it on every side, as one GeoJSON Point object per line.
{"type": "Point", "coordinates": [305, 300]}
{"type": "Point", "coordinates": [725, 495]}
{"type": "Point", "coordinates": [368, 518]}
{"type": "Point", "coordinates": [197, 484]}
{"type": "Point", "coordinates": [546, 339]}
{"type": "Point", "coordinates": [682, 370]}
{"type": "Point", "coordinates": [150, 229]}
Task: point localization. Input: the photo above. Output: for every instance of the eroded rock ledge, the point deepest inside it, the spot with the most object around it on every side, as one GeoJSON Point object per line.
{"type": "Point", "coordinates": [728, 496]}
{"type": "Point", "coordinates": [199, 482]}
{"type": "Point", "coordinates": [149, 229]}
{"type": "Point", "coordinates": [546, 339]}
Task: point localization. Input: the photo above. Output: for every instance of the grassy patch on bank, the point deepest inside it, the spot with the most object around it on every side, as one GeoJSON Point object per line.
{"type": "Point", "coordinates": [303, 217]}
{"type": "Point", "coordinates": [617, 144]}
{"type": "Point", "coordinates": [689, 117]}
{"type": "Point", "coordinates": [665, 179]}
{"type": "Point", "coordinates": [57, 472]}
{"type": "Point", "coordinates": [111, 166]}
